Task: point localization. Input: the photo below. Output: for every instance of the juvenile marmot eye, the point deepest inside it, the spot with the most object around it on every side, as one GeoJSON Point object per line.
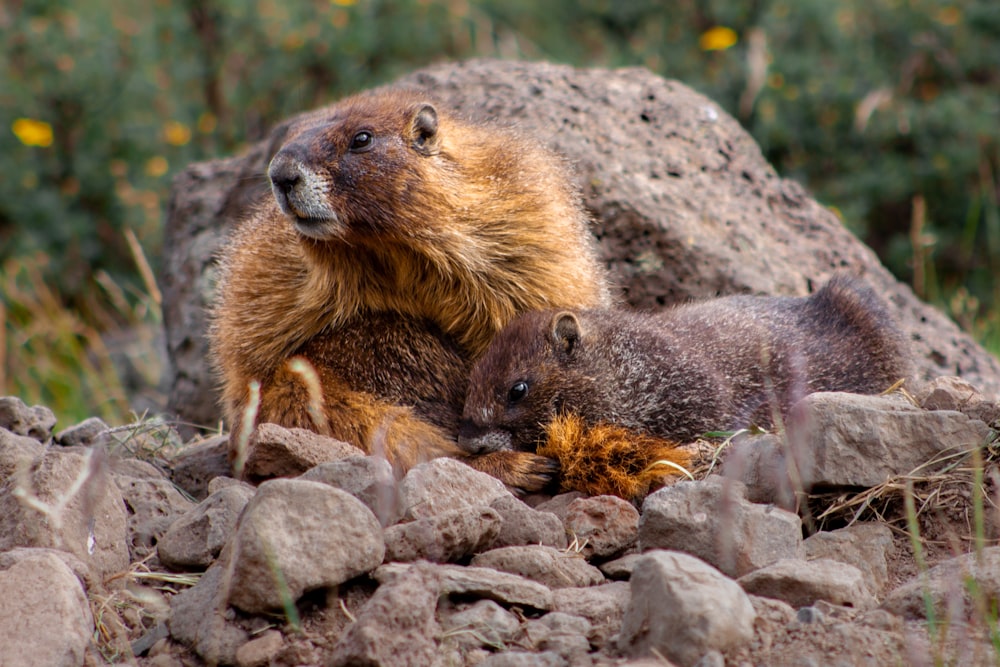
{"type": "Point", "coordinates": [362, 141]}
{"type": "Point", "coordinates": [517, 392]}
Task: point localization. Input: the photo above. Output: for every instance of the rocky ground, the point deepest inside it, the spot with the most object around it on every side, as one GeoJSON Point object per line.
{"type": "Point", "coordinates": [126, 545]}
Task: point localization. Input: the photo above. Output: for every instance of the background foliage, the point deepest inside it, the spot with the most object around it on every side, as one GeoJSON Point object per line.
{"type": "Point", "coordinates": [887, 110]}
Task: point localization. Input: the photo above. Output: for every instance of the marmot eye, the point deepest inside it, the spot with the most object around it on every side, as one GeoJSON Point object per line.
{"type": "Point", "coordinates": [517, 392]}
{"type": "Point", "coordinates": [362, 141]}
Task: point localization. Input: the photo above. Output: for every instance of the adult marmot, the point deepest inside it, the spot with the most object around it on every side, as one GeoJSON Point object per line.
{"type": "Point", "coordinates": [399, 241]}
{"type": "Point", "coordinates": [714, 365]}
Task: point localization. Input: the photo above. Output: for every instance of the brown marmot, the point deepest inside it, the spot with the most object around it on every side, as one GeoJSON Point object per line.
{"type": "Point", "coordinates": [400, 239]}
{"type": "Point", "coordinates": [714, 365]}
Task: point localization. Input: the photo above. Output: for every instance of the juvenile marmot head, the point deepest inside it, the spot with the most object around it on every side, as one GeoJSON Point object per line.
{"type": "Point", "coordinates": [352, 171]}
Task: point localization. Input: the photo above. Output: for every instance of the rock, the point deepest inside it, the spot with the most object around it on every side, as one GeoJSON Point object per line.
{"type": "Point", "coordinates": [85, 434]}
{"type": "Point", "coordinates": [554, 568]}
{"type": "Point", "coordinates": [200, 620]}
{"type": "Point", "coordinates": [397, 626]}
{"type": "Point", "coordinates": [946, 587]}
{"type": "Point", "coordinates": [522, 525]}
{"type": "Point", "coordinates": [853, 440]}
{"type": "Point", "coordinates": [367, 478]}
{"type": "Point", "coordinates": [484, 623]}
{"type": "Point", "coordinates": [603, 526]}
{"type": "Point", "coordinates": [143, 439]}
{"type": "Point", "coordinates": [801, 583]}
{"type": "Point", "coordinates": [152, 505]}
{"type": "Point", "coordinates": [760, 462]}
{"type": "Point", "coordinates": [561, 633]}
{"type": "Point", "coordinates": [604, 606]}
{"type": "Point", "coordinates": [44, 615]}
{"type": "Point", "coordinates": [954, 393]}
{"type": "Point", "coordinates": [16, 451]}
{"type": "Point", "coordinates": [67, 501]}
{"type": "Point", "coordinates": [35, 422]}
{"type": "Point", "coordinates": [196, 538]}
{"type": "Point", "coordinates": [711, 519]}
{"type": "Point", "coordinates": [77, 566]}
{"type": "Point", "coordinates": [442, 538]}
{"type": "Point", "coordinates": [274, 451]}
{"type": "Point", "coordinates": [867, 546]}
{"type": "Point", "coordinates": [479, 582]}
{"type": "Point", "coordinates": [442, 485]}
{"type": "Point", "coordinates": [620, 568]}
{"type": "Point", "coordinates": [559, 505]}
{"type": "Point", "coordinates": [125, 468]}
{"type": "Point", "coordinates": [682, 608]}
{"type": "Point", "coordinates": [524, 659]}
{"type": "Point", "coordinates": [197, 464]}
{"type": "Point", "coordinates": [298, 536]}
{"type": "Point", "coordinates": [260, 652]}
{"type": "Point", "coordinates": [686, 207]}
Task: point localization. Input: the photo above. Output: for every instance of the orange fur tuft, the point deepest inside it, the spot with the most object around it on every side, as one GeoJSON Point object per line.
{"type": "Point", "coordinates": [610, 460]}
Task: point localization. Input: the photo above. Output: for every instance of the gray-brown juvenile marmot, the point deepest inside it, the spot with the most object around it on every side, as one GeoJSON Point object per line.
{"type": "Point", "coordinates": [400, 239]}
{"type": "Point", "coordinates": [714, 365]}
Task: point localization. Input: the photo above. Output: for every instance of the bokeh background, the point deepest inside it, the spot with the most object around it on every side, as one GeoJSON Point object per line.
{"type": "Point", "coordinates": [888, 111]}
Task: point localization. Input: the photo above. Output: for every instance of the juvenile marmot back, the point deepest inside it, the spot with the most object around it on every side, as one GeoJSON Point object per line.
{"type": "Point", "coordinates": [398, 241]}
{"type": "Point", "coordinates": [714, 365]}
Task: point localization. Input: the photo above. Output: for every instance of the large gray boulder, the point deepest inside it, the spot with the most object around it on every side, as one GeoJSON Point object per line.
{"type": "Point", "coordinates": [686, 206]}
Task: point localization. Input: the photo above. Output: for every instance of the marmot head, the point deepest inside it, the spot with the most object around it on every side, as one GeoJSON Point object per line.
{"type": "Point", "coordinates": [522, 382]}
{"type": "Point", "coordinates": [353, 171]}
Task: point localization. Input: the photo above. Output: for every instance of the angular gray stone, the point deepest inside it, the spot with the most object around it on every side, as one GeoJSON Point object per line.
{"type": "Point", "coordinates": [604, 606]}
{"type": "Point", "coordinates": [16, 451]}
{"type": "Point", "coordinates": [397, 626]}
{"type": "Point", "coordinates": [853, 440]}
{"type": "Point", "coordinates": [761, 463]}
{"type": "Point", "coordinates": [34, 422]}
{"type": "Point", "coordinates": [152, 504]}
{"type": "Point", "coordinates": [479, 582]}
{"type": "Point", "coordinates": [367, 478]}
{"type": "Point", "coordinates": [523, 525]}
{"type": "Point", "coordinates": [946, 586]}
{"type": "Point", "coordinates": [200, 620]}
{"type": "Point", "coordinates": [561, 633]}
{"type": "Point", "coordinates": [442, 538]}
{"type": "Point", "coordinates": [682, 608]}
{"type": "Point", "coordinates": [296, 536]}
{"type": "Point", "coordinates": [195, 539]}
{"type": "Point", "coordinates": [198, 463]}
{"type": "Point", "coordinates": [712, 520]}
{"type": "Point", "coordinates": [953, 393]}
{"type": "Point", "coordinates": [86, 433]}
{"type": "Point", "coordinates": [261, 651]}
{"type": "Point", "coordinates": [603, 526]}
{"type": "Point", "coordinates": [802, 583]}
{"type": "Point", "coordinates": [867, 546]}
{"type": "Point", "coordinates": [274, 451]}
{"type": "Point", "coordinates": [68, 501]}
{"type": "Point", "coordinates": [44, 615]}
{"type": "Point", "coordinates": [559, 504]}
{"type": "Point", "coordinates": [546, 565]}
{"type": "Point", "coordinates": [484, 623]}
{"type": "Point", "coordinates": [444, 484]}
{"type": "Point", "coordinates": [620, 568]}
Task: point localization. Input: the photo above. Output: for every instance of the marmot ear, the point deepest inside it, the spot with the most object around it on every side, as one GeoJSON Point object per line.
{"type": "Point", "coordinates": [565, 333]}
{"type": "Point", "coordinates": [424, 128]}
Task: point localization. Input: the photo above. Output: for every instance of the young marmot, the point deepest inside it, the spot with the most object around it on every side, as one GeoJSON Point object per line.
{"type": "Point", "coordinates": [400, 239]}
{"type": "Point", "coordinates": [714, 365]}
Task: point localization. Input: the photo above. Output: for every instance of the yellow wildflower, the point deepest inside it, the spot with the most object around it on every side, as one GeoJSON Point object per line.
{"type": "Point", "coordinates": [32, 132]}
{"type": "Point", "coordinates": [718, 38]}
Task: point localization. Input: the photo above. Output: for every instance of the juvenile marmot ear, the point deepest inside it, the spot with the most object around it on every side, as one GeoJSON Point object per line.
{"type": "Point", "coordinates": [565, 333]}
{"type": "Point", "coordinates": [424, 128]}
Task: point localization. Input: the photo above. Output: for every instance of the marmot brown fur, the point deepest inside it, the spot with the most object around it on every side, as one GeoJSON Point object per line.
{"type": "Point", "coordinates": [714, 365]}
{"type": "Point", "coordinates": [400, 239]}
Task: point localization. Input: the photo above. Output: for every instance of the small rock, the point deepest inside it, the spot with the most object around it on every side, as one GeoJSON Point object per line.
{"type": "Point", "coordinates": [712, 520]}
{"type": "Point", "coordinates": [78, 567]}
{"type": "Point", "coordinates": [275, 451]}
{"type": "Point", "coordinates": [443, 538]}
{"type": "Point", "coordinates": [17, 451]}
{"type": "Point", "coordinates": [484, 623]}
{"type": "Point", "coordinates": [224, 482]}
{"type": "Point", "coordinates": [197, 464]}
{"type": "Point", "coordinates": [35, 422]}
{"type": "Point", "coordinates": [603, 526]}
{"type": "Point", "coordinates": [397, 626]}
{"type": "Point", "coordinates": [37, 510]}
{"type": "Point", "coordinates": [801, 583]}
{"type": "Point", "coordinates": [260, 652]}
{"type": "Point", "coordinates": [196, 538]}
{"type": "Point", "coordinates": [807, 615]}
{"type": "Point", "coordinates": [152, 504]}
{"type": "Point", "coordinates": [524, 659]}
{"type": "Point", "coordinates": [620, 568]}
{"type": "Point", "coordinates": [853, 440]}
{"type": "Point", "coordinates": [682, 608]}
{"type": "Point", "coordinates": [954, 393]}
{"type": "Point", "coordinates": [123, 467]}
{"type": "Point", "coordinates": [552, 567]}
{"type": "Point", "coordinates": [604, 606]}
{"type": "Point", "coordinates": [200, 620]}
{"type": "Point", "coordinates": [85, 434]}
{"type": "Point", "coordinates": [309, 534]}
{"type": "Point", "coordinates": [480, 582]}
{"type": "Point", "coordinates": [445, 484]}
{"type": "Point", "coordinates": [946, 587]}
{"type": "Point", "coordinates": [561, 633]}
{"type": "Point", "coordinates": [367, 478]}
{"type": "Point", "coordinates": [867, 546]}
{"type": "Point", "coordinates": [523, 525]}
{"type": "Point", "coordinates": [44, 615]}
{"type": "Point", "coordinates": [761, 463]}
{"type": "Point", "coordinates": [559, 505]}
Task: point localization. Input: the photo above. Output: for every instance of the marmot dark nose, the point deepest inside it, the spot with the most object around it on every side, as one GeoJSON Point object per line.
{"type": "Point", "coordinates": [285, 173]}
